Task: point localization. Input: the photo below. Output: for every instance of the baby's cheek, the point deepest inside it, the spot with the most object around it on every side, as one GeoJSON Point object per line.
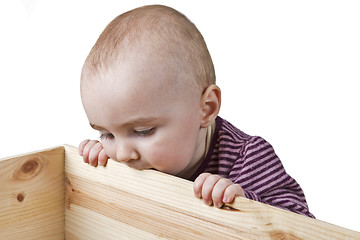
{"type": "Point", "coordinates": [164, 160]}
{"type": "Point", "coordinates": [158, 157]}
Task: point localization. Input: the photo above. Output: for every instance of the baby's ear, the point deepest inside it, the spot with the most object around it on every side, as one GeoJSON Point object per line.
{"type": "Point", "coordinates": [210, 105]}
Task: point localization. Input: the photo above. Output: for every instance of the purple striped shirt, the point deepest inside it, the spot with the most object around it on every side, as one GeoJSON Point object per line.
{"type": "Point", "coordinates": [252, 163]}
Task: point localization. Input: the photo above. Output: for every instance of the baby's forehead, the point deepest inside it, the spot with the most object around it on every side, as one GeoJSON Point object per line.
{"type": "Point", "coordinates": [135, 75]}
{"type": "Point", "coordinates": [132, 69]}
{"type": "Point", "coordinates": [131, 89]}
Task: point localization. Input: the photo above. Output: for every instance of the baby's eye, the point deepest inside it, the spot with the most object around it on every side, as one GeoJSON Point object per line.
{"type": "Point", "coordinates": [145, 132]}
{"type": "Point", "coordinates": [105, 136]}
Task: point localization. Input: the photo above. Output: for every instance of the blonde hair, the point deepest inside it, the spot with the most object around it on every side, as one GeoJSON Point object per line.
{"type": "Point", "coordinates": [166, 33]}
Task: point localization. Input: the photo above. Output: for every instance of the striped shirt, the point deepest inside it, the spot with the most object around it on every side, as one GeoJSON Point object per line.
{"type": "Point", "coordinates": [252, 163]}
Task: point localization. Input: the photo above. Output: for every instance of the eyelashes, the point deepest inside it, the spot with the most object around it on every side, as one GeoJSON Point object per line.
{"type": "Point", "coordinates": [105, 136]}
{"type": "Point", "coordinates": [137, 133]}
{"type": "Point", "coordinates": [144, 133]}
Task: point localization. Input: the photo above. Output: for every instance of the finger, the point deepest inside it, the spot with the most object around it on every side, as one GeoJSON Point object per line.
{"type": "Point", "coordinates": [82, 145]}
{"type": "Point", "coordinates": [94, 154]}
{"type": "Point", "coordinates": [208, 187]}
{"type": "Point", "coordinates": [87, 149]}
{"type": "Point", "coordinates": [232, 191]}
{"type": "Point", "coordinates": [219, 190]}
{"type": "Point", "coordinates": [198, 183]}
{"type": "Point", "coordinates": [103, 158]}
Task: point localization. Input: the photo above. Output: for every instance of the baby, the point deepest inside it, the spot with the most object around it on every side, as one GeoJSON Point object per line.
{"type": "Point", "coordinates": [148, 86]}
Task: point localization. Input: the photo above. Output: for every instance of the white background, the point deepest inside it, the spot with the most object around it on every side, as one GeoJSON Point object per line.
{"type": "Point", "coordinates": [289, 72]}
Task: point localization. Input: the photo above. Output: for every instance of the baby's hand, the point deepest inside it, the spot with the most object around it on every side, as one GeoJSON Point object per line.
{"type": "Point", "coordinates": [93, 153]}
{"type": "Point", "coordinates": [215, 189]}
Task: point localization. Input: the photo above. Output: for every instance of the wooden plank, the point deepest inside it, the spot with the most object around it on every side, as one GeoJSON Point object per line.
{"type": "Point", "coordinates": [117, 202]}
{"type": "Point", "coordinates": [32, 196]}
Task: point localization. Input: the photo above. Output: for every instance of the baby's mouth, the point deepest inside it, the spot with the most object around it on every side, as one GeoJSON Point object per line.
{"type": "Point", "coordinates": [136, 164]}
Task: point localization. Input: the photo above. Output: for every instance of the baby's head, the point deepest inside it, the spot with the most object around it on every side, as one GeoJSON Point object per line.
{"type": "Point", "coordinates": [155, 36]}
{"type": "Point", "coordinates": [148, 86]}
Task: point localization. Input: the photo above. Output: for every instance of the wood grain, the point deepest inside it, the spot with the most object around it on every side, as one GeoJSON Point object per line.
{"type": "Point", "coordinates": [32, 196]}
{"type": "Point", "coordinates": [117, 202]}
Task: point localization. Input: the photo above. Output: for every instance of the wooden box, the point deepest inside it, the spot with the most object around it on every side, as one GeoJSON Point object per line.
{"type": "Point", "coordinates": [52, 194]}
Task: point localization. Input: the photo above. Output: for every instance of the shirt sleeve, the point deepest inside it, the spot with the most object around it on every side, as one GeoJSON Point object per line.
{"type": "Point", "coordinates": [263, 178]}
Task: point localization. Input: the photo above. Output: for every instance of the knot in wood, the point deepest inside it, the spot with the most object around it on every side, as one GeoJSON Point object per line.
{"type": "Point", "coordinates": [29, 166]}
{"type": "Point", "coordinates": [20, 197]}
{"type": "Point", "coordinates": [28, 169]}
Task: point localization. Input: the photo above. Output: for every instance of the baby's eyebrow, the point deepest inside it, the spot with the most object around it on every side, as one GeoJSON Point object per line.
{"type": "Point", "coordinates": [96, 127]}
{"type": "Point", "coordinates": [140, 120]}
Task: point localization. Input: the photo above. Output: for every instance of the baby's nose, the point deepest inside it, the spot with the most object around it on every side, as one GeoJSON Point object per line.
{"type": "Point", "coordinates": [126, 152]}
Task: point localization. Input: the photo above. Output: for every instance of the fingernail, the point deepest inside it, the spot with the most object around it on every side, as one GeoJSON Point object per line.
{"type": "Point", "coordinates": [219, 205]}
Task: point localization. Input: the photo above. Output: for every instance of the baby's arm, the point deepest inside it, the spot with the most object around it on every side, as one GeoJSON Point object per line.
{"type": "Point", "coordinates": [264, 179]}
{"type": "Point", "coordinates": [93, 153]}
{"type": "Point", "coordinates": [215, 189]}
